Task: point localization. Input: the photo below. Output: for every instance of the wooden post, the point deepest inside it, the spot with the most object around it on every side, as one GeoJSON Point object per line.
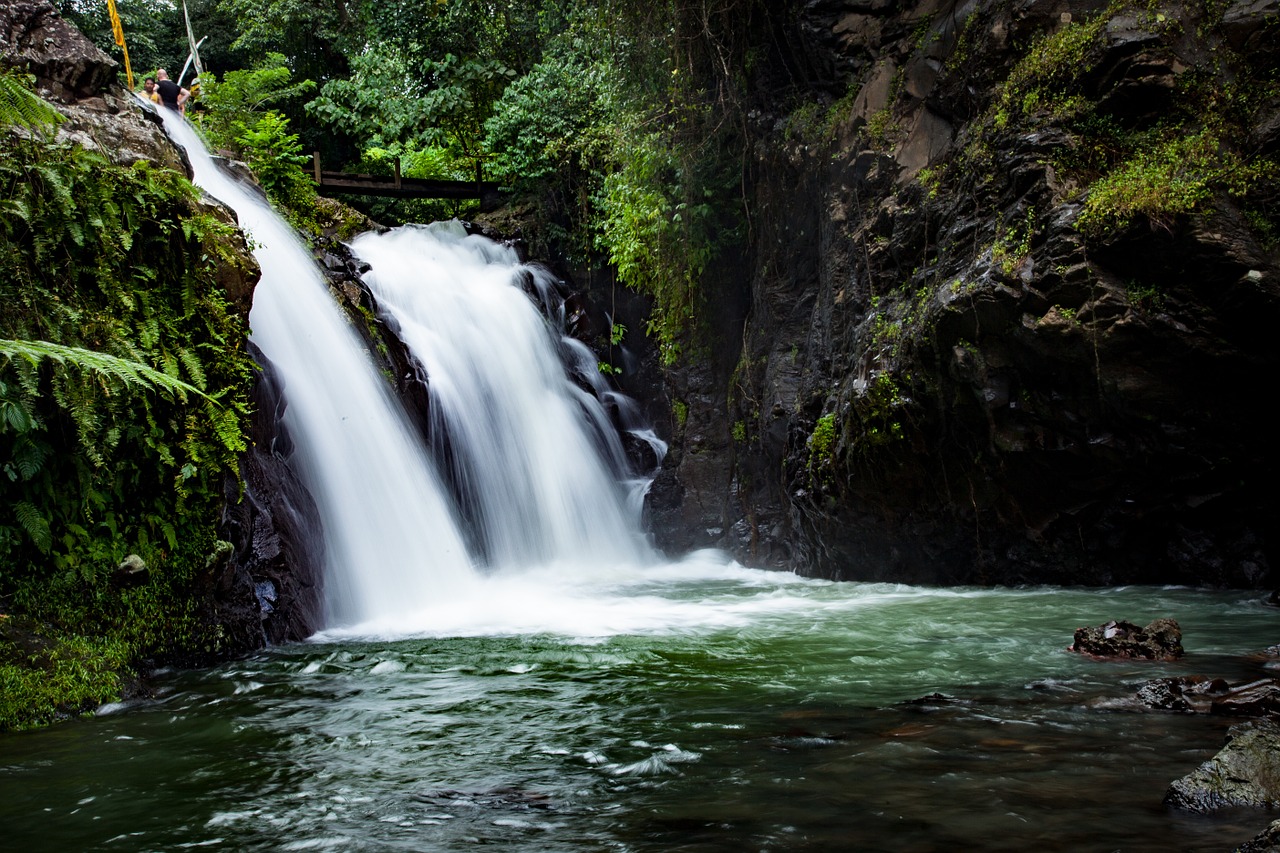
{"type": "Point", "coordinates": [397, 173]}
{"type": "Point", "coordinates": [315, 165]}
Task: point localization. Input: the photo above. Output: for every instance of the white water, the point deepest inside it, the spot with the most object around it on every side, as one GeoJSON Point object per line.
{"type": "Point", "coordinates": [535, 454]}
{"type": "Point", "coordinates": [392, 545]}
{"type": "Point", "coordinates": [534, 457]}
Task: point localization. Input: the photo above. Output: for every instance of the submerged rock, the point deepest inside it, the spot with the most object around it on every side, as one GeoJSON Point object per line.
{"type": "Point", "coordinates": [1267, 840]}
{"type": "Point", "coordinates": [1246, 772]}
{"type": "Point", "coordinates": [1160, 640]}
{"type": "Point", "coordinates": [1188, 693]}
{"type": "Point", "coordinates": [1200, 695]}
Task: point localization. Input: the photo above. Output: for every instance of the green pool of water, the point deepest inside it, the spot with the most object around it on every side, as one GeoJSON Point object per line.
{"type": "Point", "coordinates": [786, 727]}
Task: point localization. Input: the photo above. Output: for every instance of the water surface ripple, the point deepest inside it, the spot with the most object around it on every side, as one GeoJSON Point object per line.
{"type": "Point", "coordinates": [784, 727]}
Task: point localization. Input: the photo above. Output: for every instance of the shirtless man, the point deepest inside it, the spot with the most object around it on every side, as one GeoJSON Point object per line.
{"type": "Point", "coordinates": [172, 95]}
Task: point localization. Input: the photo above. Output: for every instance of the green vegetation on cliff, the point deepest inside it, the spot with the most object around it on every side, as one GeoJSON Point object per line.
{"type": "Point", "coordinates": [124, 383]}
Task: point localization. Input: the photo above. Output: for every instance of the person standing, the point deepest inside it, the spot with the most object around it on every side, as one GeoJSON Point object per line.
{"type": "Point", "coordinates": [172, 95]}
{"type": "Point", "coordinates": [149, 86]}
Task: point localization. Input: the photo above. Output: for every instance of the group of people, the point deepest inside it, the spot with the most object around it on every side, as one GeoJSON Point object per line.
{"type": "Point", "coordinates": [163, 91]}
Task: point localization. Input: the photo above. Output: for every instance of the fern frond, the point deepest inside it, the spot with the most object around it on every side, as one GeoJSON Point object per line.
{"type": "Point", "coordinates": [35, 524]}
{"type": "Point", "coordinates": [23, 107]}
{"type": "Point", "coordinates": [128, 373]}
{"type": "Point", "coordinates": [28, 457]}
{"type": "Point", "coordinates": [194, 369]}
{"type": "Point", "coordinates": [227, 426]}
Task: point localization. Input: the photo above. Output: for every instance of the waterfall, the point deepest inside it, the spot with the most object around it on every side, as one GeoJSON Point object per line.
{"type": "Point", "coordinates": [391, 540]}
{"type": "Point", "coordinates": [532, 458]}
{"type": "Point", "coordinates": [533, 455]}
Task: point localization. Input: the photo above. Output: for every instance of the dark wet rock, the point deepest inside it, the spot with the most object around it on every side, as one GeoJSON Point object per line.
{"type": "Point", "coordinates": [267, 586]}
{"type": "Point", "coordinates": [1189, 693]}
{"type": "Point", "coordinates": [1266, 841]}
{"type": "Point", "coordinates": [1160, 640]}
{"type": "Point", "coordinates": [1082, 413]}
{"type": "Point", "coordinates": [1246, 772]}
{"type": "Point", "coordinates": [935, 700]}
{"type": "Point", "coordinates": [1258, 698]}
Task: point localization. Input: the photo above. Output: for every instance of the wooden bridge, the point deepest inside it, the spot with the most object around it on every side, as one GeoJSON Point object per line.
{"type": "Point", "coordinates": [397, 186]}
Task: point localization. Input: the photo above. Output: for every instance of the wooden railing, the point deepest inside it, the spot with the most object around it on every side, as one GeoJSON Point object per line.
{"type": "Point", "coordinates": [337, 183]}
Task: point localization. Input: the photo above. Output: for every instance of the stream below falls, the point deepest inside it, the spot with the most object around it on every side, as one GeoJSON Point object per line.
{"type": "Point", "coordinates": [684, 707]}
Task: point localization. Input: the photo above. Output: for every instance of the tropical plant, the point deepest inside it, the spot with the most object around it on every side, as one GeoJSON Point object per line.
{"type": "Point", "coordinates": [23, 107]}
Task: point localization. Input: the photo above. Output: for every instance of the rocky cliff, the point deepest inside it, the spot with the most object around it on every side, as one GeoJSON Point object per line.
{"type": "Point", "coordinates": [261, 582]}
{"type": "Point", "coordinates": [1012, 281]}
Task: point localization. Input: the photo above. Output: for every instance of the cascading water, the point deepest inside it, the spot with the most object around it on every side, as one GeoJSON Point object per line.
{"type": "Point", "coordinates": [386, 516]}
{"type": "Point", "coordinates": [537, 471]}
{"type": "Point", "coordinates": [530, 451]}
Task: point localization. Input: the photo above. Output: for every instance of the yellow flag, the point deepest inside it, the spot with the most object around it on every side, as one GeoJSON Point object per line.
{"type": "Point", "coordinates": [117, 30]}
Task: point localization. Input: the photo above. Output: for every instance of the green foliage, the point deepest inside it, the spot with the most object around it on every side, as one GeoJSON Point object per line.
{"type": "Point", "coordinates": [1176, 177]}
{"type": "Point", "coordinates": [23, 107]}
{"type": "Point", "coordinates": [233, 100]}
{"type": "Point", "coordinates": [428, 75]}
{"type": "Point", "coordinates": [661, 227]}
{"type": "Point", "coordinates": [1144, 295]}
{"type": "Point", "coordinates": [878, 410]}
{"type": "Point", "coordinates": [739, 431]}
{"type": "Point", "coordinates": [931, 180]}
{"type": "Point", "coordinates": [822, 442]}
{"type": "Point", "coordinates": [60, 673]}
{"type": "Point", "coordinates": [1046, 78]}
{"type": "Point", "coordinates": [276, 157]}
{"type": "Point", "coordinates": [1013, 246]}
{"type": "Point", "coordinates": [123, 385]}
{"type": "Point", "coordinates": [234, 119]}
{"type": "Point", "coordinates": [553, 119]}
{"type": "Point", "coordinates": [681, 410]}
{"type": "Point", "coordinates": [119, 372]}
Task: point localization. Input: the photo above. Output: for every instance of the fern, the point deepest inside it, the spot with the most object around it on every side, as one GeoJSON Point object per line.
{"type": "Point", "coordinates": [125, 372]}
{"type": "Point", "coordinates": [194, 370]}
{"type": "Point", "coordinates": [20, 106]}
{"type": "Point", "coordinates": [35, 524]}
{"type": "Point", "coordinates": [28, 457]}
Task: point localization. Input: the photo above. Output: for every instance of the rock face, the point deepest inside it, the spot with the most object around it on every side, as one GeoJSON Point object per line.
{"type": "Point", "coordinates": [1263, 842]}
{"type": "Point", "coordinates": [1245, 773]}
{"type": "Point", "coordinates": [79, 80]}
{"type": "Point", "coordinates": [272, 584]}
{"type": "Point", "coordinates": [1161, 640]}
{"type": "Point", "coordinates": [66, 65]}
{"type": "Point", "coordinates": [943, 374]}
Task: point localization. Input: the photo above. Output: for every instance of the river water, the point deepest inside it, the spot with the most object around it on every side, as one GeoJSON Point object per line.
{"type": "Point", "coordinates": [693, 707]}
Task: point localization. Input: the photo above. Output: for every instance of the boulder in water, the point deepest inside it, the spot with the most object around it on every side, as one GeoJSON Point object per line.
{"type": "Point", "coordinates": [1161, 640]}
{"type": "Point", "coordinates": [1188, 693]}
{"type": "Point", "coordinates": [1246, 772]}
{"type": "Point", "coordinates": [1263, 842]}
{"type": "Point", "coordinates": [1200, 695]}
